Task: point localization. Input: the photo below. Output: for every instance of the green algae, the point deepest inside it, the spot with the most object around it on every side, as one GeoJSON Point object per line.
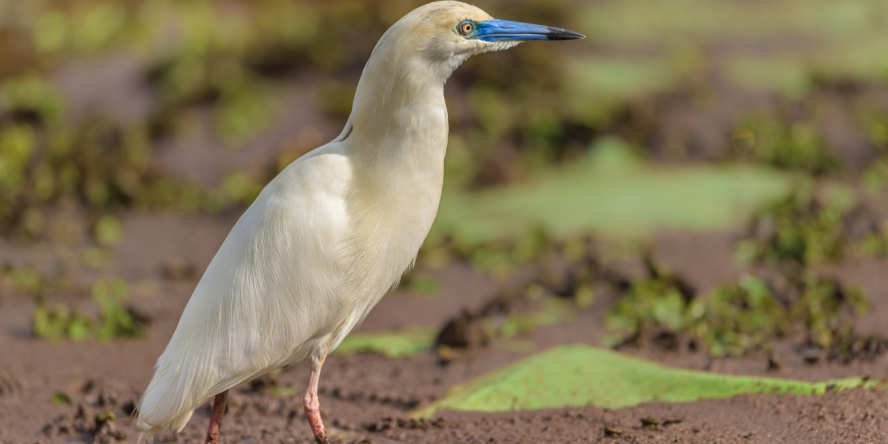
{"type": "Point", "coordinates": [581, 375]}
{"type": "Point", "coordinates": [391, 344]}
{"type": "Point", "coordinates": [612, 193]}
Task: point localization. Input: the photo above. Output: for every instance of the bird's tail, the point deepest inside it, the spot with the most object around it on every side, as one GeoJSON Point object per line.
{"type": "Point", "coordinates": [177, 388]}
{"type": "Point", "coordinates": [148, 429]}
{"type": "Point", "coordinates": [169, 400]}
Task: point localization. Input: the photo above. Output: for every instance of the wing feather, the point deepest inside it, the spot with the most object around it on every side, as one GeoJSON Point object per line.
{"type": "Point", "coordinates": [268, 293]}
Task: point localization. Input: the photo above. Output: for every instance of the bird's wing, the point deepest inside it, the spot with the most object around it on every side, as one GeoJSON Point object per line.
{"type": "Point", "coordinates": [268, 292]}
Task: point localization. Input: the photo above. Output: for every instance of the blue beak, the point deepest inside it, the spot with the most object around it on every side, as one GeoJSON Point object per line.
{"type": "Point", "coordinates": [504, 31]}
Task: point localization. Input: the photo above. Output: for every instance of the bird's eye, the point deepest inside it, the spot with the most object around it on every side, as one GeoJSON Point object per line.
{"type": "Point", "coordinates": [466, 27]}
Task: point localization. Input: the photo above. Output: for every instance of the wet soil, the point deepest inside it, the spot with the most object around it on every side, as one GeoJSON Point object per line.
{"type": "Point", "coordinates": [367, 398]}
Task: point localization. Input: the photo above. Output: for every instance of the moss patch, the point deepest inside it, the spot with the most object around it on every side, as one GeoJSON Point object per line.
{"type": "Point", "coordinates": [580, 375]}
{"type": "Point", "coordinates": [612, 193]}
{"type": "Point", "coordinates": [391, 344]}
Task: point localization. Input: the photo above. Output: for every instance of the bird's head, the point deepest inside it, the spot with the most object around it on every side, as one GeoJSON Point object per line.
{"type": "Point", "coordinates": [419, 53]}
{"type": "Point", "coordinates": [448, 32]}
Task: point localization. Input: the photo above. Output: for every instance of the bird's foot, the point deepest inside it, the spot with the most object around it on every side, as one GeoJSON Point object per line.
{"type": "Point", "coordinates": [313, 415]}
{"type": "Point", "coordinates": [313, 407]}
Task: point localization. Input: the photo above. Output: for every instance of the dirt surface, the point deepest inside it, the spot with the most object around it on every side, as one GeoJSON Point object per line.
{"type": "Point", "coordinates": [367, 398]}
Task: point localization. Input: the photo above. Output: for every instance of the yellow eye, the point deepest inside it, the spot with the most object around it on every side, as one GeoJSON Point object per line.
{"type": "Point", "coordinates": [466, 27]}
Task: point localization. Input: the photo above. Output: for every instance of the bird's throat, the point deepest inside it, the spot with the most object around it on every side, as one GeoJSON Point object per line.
{"type": "Point", "coordinates": [399, 117]}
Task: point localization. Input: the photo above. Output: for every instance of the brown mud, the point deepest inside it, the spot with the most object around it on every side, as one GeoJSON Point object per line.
{"type": "Point", "coordinates": [366, 398]}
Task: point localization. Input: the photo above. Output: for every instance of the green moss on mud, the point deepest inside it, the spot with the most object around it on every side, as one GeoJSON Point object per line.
{"type": "Point", "coordinates": [580, 375]}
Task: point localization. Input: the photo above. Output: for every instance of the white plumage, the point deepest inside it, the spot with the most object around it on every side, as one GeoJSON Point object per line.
{"type": "Point", "coordinates": [330, 235]}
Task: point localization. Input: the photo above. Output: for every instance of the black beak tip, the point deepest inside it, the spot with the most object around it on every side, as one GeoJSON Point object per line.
{"type": "Point", "coordinates": [563, 34]}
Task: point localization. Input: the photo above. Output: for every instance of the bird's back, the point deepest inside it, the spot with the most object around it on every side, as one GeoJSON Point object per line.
{"type": "Point", "coordinates": [267, 295]}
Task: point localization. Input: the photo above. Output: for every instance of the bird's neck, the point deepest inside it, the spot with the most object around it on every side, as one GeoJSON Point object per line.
{"type": "Point", "coordinates": [399, 117]}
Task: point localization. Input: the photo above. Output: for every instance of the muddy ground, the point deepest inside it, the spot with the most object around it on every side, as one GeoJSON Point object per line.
{"type": "Point", "coordinates": [366, 398]}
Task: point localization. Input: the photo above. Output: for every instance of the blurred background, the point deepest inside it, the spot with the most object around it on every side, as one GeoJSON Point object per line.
{"type": "Point", "coordinates": [697, 181]}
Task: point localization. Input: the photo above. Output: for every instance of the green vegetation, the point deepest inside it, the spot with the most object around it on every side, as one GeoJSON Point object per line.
{"type": "Point", "coordinates": [497, 256]}
{"type": "Point", "coordinates": [847, 34]}
{"type": "Point", "coordinates": [610, 193]}
{"type": "Point", "coordinates": [60, 398]}
{"type": "Point", "coordinates": [86, 27]}
{"type": "Point", "coordinates": [420, 283]}
{"type": "Point", "coordinates": [546, 149]}
{"type": "Point", "coordinates": [579, 375]}
{"type": "Point", "coordinates": [612, 81]}
{"type": "Point", "coordinates": [224, 63]}
{"type": "Point", "coordinates": [463, 333]}
{"type": "Point", "coordinates": [553, 311]}
{"type": "Point", "coordinates": [794, 147]}
{"type": "Point", "coordinates": [738, 317]}
{"type": "Point", "coordinates": [391, 344]}
{"type": "Point", "coordinates": [660, 303]}
{"type": "Point", "coordinates": [810, 226]}
{"type": "Point", "coordinates": [45, 162]}
{"type": "Point", "coordinates": [58, 321]}
{"type": "Point", "coordinates": [874, 178]}
{"type": "Point", "coordinates": [28, 281]}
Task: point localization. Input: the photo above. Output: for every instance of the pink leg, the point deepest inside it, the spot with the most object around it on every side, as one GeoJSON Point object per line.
{"type": "Point", "coordinates": [313, 405]}
{"type": "Point", "coordinates": [216, 418]}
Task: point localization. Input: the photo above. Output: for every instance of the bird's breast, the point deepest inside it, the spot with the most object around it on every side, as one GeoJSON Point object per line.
{"type": "Point", "coordinates": [391, 208]}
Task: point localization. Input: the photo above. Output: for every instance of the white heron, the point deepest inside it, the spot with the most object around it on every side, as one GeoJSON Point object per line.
{"type": "Point", "coordinates": [333, 233]}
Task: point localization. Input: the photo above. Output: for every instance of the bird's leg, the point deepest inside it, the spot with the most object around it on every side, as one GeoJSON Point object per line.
{"type": "Point", "coordinates": [216, 418]}
{"type": "Point", "coordinates": [313, 404]}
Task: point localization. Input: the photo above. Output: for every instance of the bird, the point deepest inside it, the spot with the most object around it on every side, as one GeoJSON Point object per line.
{"type": "Point", "coordinates": [334, 232]}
